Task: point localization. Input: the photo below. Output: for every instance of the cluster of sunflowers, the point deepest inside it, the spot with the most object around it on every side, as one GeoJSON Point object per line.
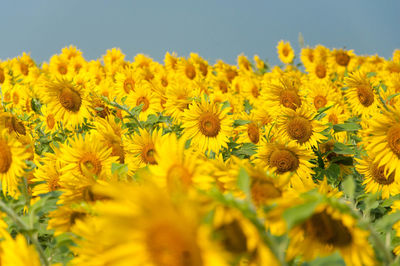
{"type": "Point", "coordinates": [112, 162]}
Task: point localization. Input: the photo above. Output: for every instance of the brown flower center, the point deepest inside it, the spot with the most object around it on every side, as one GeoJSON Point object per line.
{"type": "Point", "coordinates": [285, 51]}
{"type": "Point", "coordinates": [145, 102]}
{"type": "Point", "coordinates": [365, 95]}
{"type": "Point", "coordinates": [231, 74]}
{"type": "Point", "coordinates": [89, 165]}
{"type": "Point", "coordinates": [320, 71]}
{"type": "Point", "coordinates": [300, 129]}
{"type": "Point", "coordinates": [148, 153]}
{"type": "Point", "coordinates": [5, 157]}
{"type": "Point", "coordinates": [223, 86]}
{"type": "Point", "coordinates": [74, 216]}
{"type": "Point", "coordinates": [209, 124]}
{"type": "Point", "coordinates": [263, 190]}
{"type": "Point", "coordinates": [393, 139]}
{"type": "Point", "coordinates": [320, 101]}
{"type": "Point", "coordinates": [255, 91]}
{"type": "Point", "coordinates": [342, 58]}
{"type": "Point", "coordinates": [62, 69]}
{"type": "Point", "coordinates": [327, 230]}
{"type": "Point", "coordinates": [129, 85]}
{"type": "Point", "coordinates": [253, 132]}
{"type": "Point", "coordinates": [70, 99]}
{"type": "Point", "coordinates": [284, 161]}
{"type": "Point", "coordinates": [380, 175]}
{"type": "Point", "coordinates": [15, 98]}
{"type": "Point", "coordinates": [168, 245]}
{"type": "Point", "coordinates": [190, 71]}
{"type": "Point", "coordinates": [332, 118]}
{"type": "Point", "coordinates": [53, 183]}
{"type": "Point", "coordinates": [50, 121]}
{"type": "Point", "coordinates": [2, 76]}
{"type": "Point", "coordinates": [17, 126]}
{"type": "Point", "coordinates": [290, 99]}
{"type": "Point", "coordinates": [203, 69]}
{"type": "Point", "coordinates": [233, 237]}
{"type": "Point", "coordinates": [24, 69]}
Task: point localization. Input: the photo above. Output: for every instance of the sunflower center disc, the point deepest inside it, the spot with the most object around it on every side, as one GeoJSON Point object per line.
{"type": "Point", "coordinates": [5, 157]}
{"type": "Point", "coordinates": [89, 163]}
{"type": "Point", "coordinates": [342, 59]}
{"type": "Point", "coordinates": [70, 99]}
{"type": "Point", "coordinates": [145, 102]}
{"type": "Point", "coordinates": [284, 161]}
{"type": "Point", "coordinates": [320, 71]}
{"type": "Point", "coordinates": [393, 139]}
{"type": "Point", "coordinates": [253, 133]}
{"type": "Point", "coordinates": [379, 175]}
{"type": "Point", "coordinates": [328, 230]}
{"type": "Point", "coordinates": [300, 129]}
{"type": "Point", "coordinates": [290, 99]}
{"type": "Point", "coordinates": [129, 85]}
{"type": "Point", "coordinates": [365, 95]}
{"type": "Point", "coordinates": [209, 124]}
{"type": "Point", "coordinates": [148, 154]}
{"type": "Point", "coordinates": [320, 101]}
{"type": "Point", "coordinates": [190, 71]}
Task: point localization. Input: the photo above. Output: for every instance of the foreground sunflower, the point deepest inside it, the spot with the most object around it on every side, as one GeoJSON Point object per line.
{"type": "Point", "coordinates": [12, 162]}
{"type": "Point", "coordinates": [207, 125]}
{"type": "Point", "coordinates": [327, 230]}
{"type": "Point", "coordinates": [177, 167]}
{"type": "Point", "coordinates": [143, 225]}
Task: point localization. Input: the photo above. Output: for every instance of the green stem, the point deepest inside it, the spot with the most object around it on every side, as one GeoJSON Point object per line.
{"type": "Point", "coordinates": [32, 237]}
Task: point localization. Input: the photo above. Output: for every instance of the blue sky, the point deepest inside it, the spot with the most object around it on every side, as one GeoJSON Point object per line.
{"type": "Point", "coordinates": [214, 29]}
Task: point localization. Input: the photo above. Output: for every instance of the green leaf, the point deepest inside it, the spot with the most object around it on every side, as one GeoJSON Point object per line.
{"type": "Point", "coordinates": [349, 186]}
{"type": "Point", "coordinates": [386, 223]}
{"type": "Point", "coordinates": [152, 119]}
{"type": "Point", "coordinates": [392, 96]}
{"type": "Point", "coordinates": [243, 181]}
{"type": "Point", "coordinates": [118, 168]}
{"type": "Point", "coordinates": [297, 214]}
{"type": "Point", "coordinates": [240, 122]}
{"type": "Point", "coordinates": [346, 127]}
{"type": "Point", "coordinates": [341, 148]}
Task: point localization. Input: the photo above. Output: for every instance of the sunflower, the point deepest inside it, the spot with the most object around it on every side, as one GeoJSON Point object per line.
{"type": "Point", "coordinates": [143, 225]}
{"type": "Point", "coordinates": [342, 60]}
{"type": "Point", "coordinates": [307, 57]}
{"type": "Point", "coordinates": [113, 61]}
{"type": "Point", "coordinates": [171, 61]}
{"type": "Point", "coordinates": [12, 162]}
{"type": "Point", "coordinates": [251, 132]}
{"type": "Point", "coordinates": [177, 167]}
{"type": "Point", "coordinates": [187, 69]}
{"type": "Point", "coordinates": [144, 96]}
{"type": "Point", "coordinates": [47, 174]}
{"type": "Point", "coordinates": [207, 125]}
{"type": "Point", "coordinates": [382, 138]}
{"type": "Point", "coordinates": [179, 95]}
{"type": "Point", "coordinates": [59, 66]}
{"type": "Point", "coordinates": [64, 218]}
{"type": "Point", "coordinates": [285, 52]}
{"type": "Point", "coordinates": [17, 251]}
{"type": "Point", "coordinates": [283, 92]}
{"type": "Point", "coordinates": [240, 237]}
{"type": "Point", "coordinates": [67, 101]}
{"type": "Point", "coordinates": [336, 115]}
{"type": "Point", "coordinates": [142, 146]}
{"type": "Point", "coordinates": [321, 94]}
{"type": "Point", "coordinates": [327, 230]}
{"type": "Point", "coordinates": [301, 126]}
{"type": "Point", "coordinates": [360, 95]}
{"type": "Point", "coordinates": [376, 177]}
{"type": "Point", "coordinates": [85, 162]}
{"type": "Point", "coordinates": [283, 158]}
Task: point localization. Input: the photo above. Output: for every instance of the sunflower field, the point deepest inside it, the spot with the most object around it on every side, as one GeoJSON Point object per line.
{"type": "Point", "coordinates": [185, 163]}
